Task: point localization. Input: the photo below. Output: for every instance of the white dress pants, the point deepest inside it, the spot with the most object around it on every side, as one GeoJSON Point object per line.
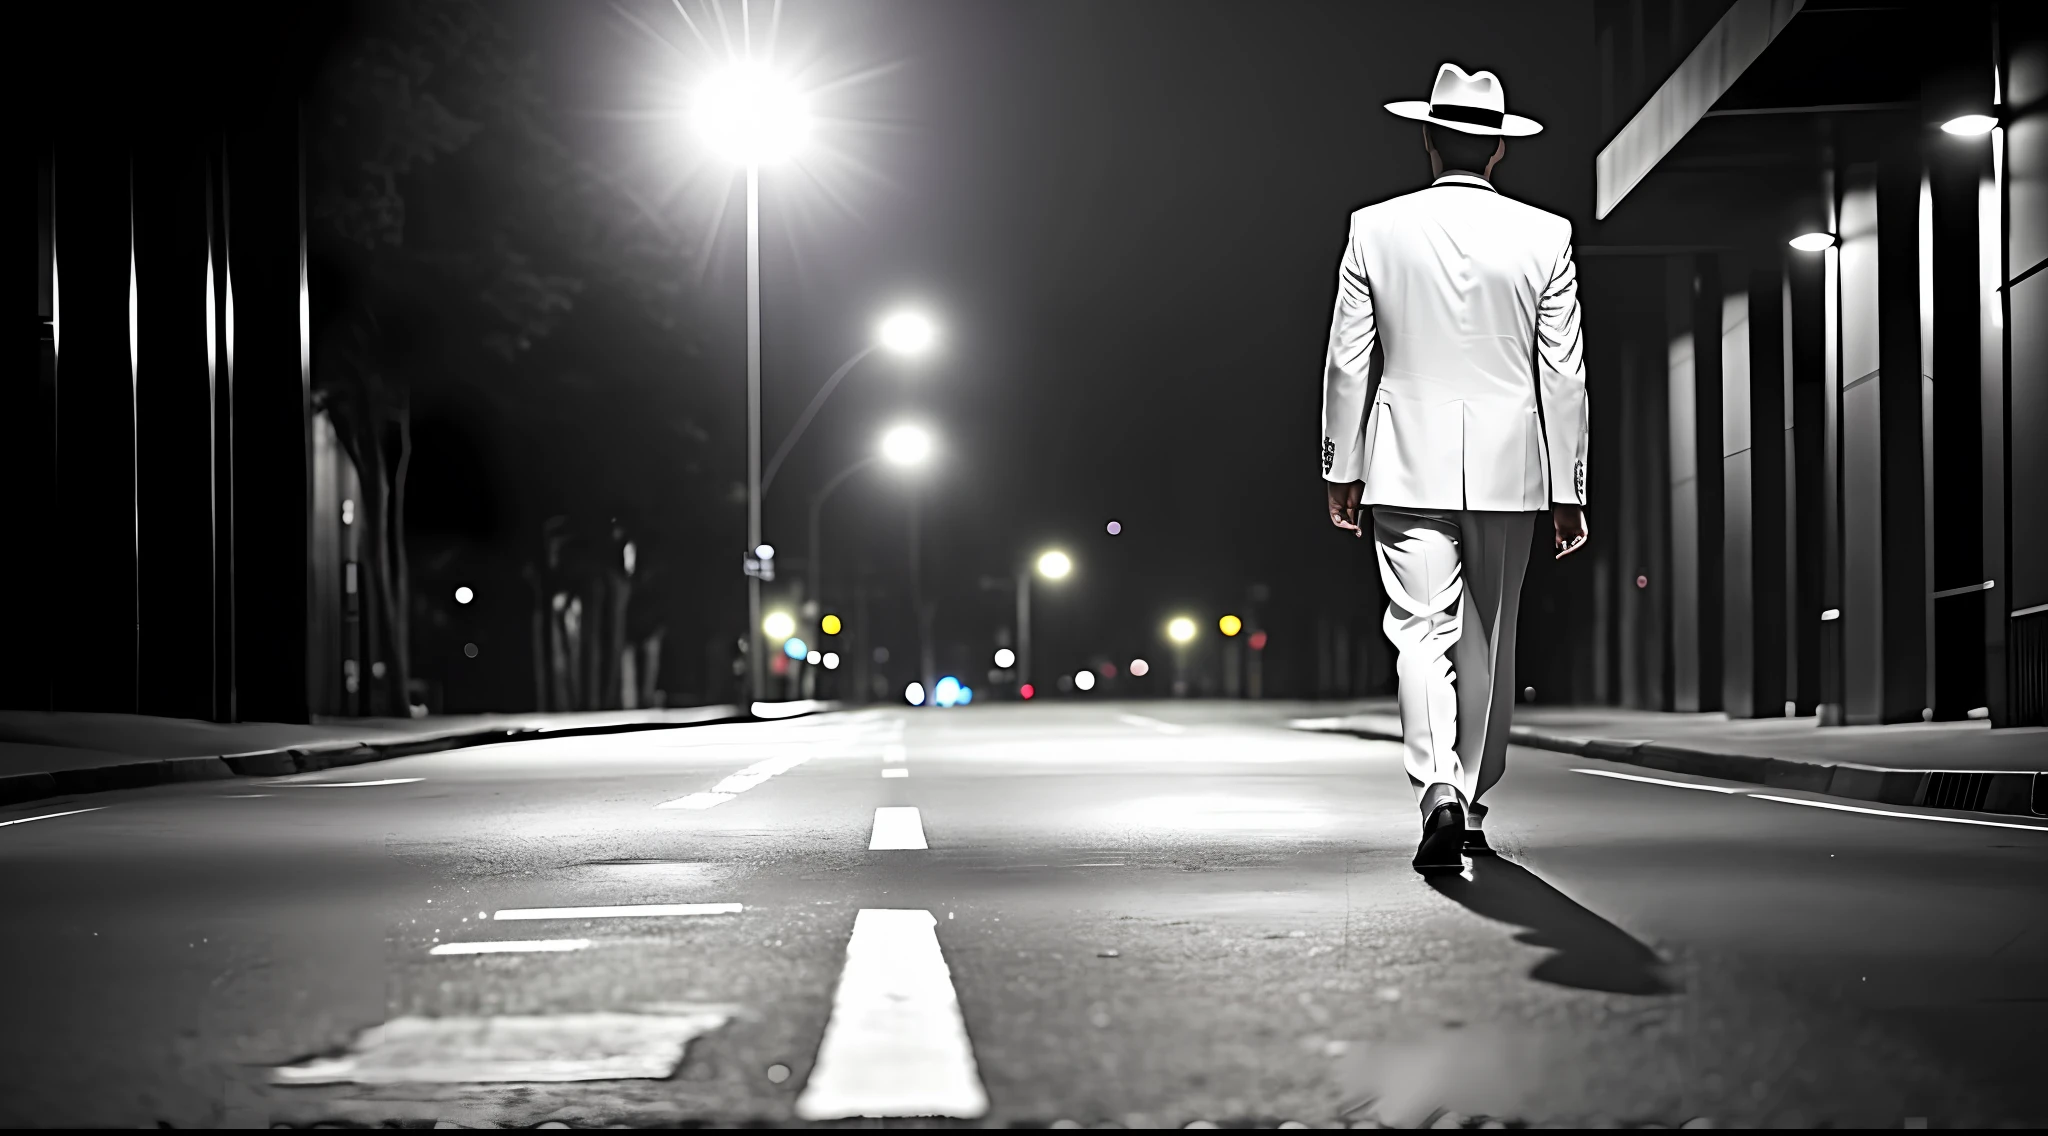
{"type": "Point", "coordinates": [1454, 591]}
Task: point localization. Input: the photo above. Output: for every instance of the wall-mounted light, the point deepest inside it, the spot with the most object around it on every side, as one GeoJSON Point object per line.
{"type": "Point", "coordinates": [1812, 242]}
{"type": "Point", "coordinates": [1970, 125]}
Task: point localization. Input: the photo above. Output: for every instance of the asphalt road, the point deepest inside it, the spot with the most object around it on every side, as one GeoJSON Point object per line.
{"type": "Point", "coordinates": [1148, 915]}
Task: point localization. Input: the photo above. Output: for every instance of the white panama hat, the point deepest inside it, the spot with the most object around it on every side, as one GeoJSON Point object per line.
{"type": "Point", "coordinates": [1474, 104]}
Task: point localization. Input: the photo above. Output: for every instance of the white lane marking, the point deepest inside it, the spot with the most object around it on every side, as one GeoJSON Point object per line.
{"type": "Point", "coordinates": [897, 827]}
{"type": "Point", "coordinates": [1144, 723]}
{"type": "Point", "coordinates": [738, 783]}
{"type": "Point", "coordinates": [557, 1047]}
{"type": "Point", "coordinates": [895, 772]}
{"type": "Point", "coordinates": [347, 784]}
{"type": "Point", "coordinates": [626, 911]}
{"type": "Point", "coordinates": [510, 946]}
{"type": "Point", "coordinates": [51, 816]}
{"type": "Point", "coordinates": [245, 796]}
{"type": "Point", "coordinates": [1888, 813]}
{"type": "Point", "coordinates": [1656, 781]}
{"type": "Point", "coordinates": [895, 754]}
{"type": "Point", "coordinates": [895, 1044]}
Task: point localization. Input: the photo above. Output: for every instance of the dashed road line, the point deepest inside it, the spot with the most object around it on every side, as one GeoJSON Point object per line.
{"type": "Point", "coordinates": [895, 1044]}
{"type": "Point", "coordinates": [1656, 781]}
{"type": "Point", "coordinates": [626, 911]}
{"type": "Point", "coordinates": [1144, 723]}
{"type": "Point", "coordinates": [892, 773]}
{"type": "Point", "coordinates": [511, 946]}
{"type": "Point", "coordinates": [51, 816]}
{"type": "Point", "coordinates": [738, 783]}
{"type": "Point", "coordinates": [1901, 816]}
{"type": "Point", "coordinates": [897, 828]}
{"type": "Point", "coordinates": [894, 754]}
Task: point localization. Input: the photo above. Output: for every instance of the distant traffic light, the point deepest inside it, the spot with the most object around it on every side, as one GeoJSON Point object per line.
{"type": "Point", "coordinates": [830, 625]}
{"type": "Point", "coordinates": [1258, 640]}
{"type": "Point", "coordinates": [1230, 625]}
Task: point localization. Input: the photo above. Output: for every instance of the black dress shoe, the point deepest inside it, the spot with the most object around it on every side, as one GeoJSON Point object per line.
{"type": "Point", "coordinates": [1443, 833]}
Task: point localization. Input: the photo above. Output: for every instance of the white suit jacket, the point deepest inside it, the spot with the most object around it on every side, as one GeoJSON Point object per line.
{"type": "Point", "coordinates": [1476, 396]}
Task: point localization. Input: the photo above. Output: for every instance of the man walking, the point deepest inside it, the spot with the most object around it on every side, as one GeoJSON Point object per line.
{"type": "Point", "coordinates": [1454, 408]}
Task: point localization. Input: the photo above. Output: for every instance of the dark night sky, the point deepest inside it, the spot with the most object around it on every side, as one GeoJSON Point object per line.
{"type": "Point", "coordinates": [1127, 216]}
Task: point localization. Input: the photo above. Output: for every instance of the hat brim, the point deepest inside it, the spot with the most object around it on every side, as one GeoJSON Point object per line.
{"type": "Point", "coordinates": [1511, 126]}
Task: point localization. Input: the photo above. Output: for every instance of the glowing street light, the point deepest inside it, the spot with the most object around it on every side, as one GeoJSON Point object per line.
{"type": "Point", "coordinates": [779, 625]}
{"type": "Point", "coordinates": [1084, 680]}
{"type": "Point", "coordinates": [914, 694]}
{"type": "Point", "coordinates": [1054, 565]}
{"type": "Point", "coordinates": [464, 594]}
{"type": "Point", "coordinates": [1970, 125]}
{"type": "Point", "coordinates": [1812, 242]}
{"type": "Point", "coordinates": [906, 445]}
{"type": "Point", "coordinates": [1005, 658]}
{"type": "Point", "coordinates": [751, 116]}
{"type": "Point", "coordinates": [908, 333]}
{"type": "Point", "coordinates": [1230, 625]}
{"type": "Point", "coordinates": [831, 625]}
{"type": "Point", "coordinates": [831, 660]}
{"type": "Point", "coordinates": [1181, 629]}
{"type": "Point", "coordinates": [1140, 668]}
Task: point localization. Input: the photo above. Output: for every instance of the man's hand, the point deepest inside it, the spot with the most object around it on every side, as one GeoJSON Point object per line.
{"type": "Point", "coordinates": [1570, 523]}
{"type": "Point", "coordinates": [1343, 497]}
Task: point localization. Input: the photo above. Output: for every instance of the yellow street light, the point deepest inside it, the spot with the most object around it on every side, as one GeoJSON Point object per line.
{"type": "Point", "coordinates": [830, 625]}
{"type": "Point", "coordinates": [779, 625]}
{"type": "Point", "coordinates": [1054, 565]}
{"type": "Point", "coordinates": [1230, 625]}
{"type": "Point", "coordinates": [1181, 629]}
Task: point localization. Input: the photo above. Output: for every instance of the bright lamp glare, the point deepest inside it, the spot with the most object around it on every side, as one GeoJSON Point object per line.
{"type": "Point", "coordinates": [795, 648]}
{"type": "Point", "coordinates": [1181, 630]}
{"type": "Point", "coordinates": [464, 594]}
{"type": "Point", "coordinates": [1054, 565]}
{"type": "Point", "coordinates": [814, 658]}
{"type": "Point", "coordinates": [1812, 242]}
{"type": "Point", "coordinates": [751, 116]}
{"type": "Point", "coordinates": [779, 625]}
{"type": "Point", "coordinates": [831, 660]}
{"type": "Point", "coordinates": [906, 445]}
{"type": "Point", "coordinates": [947, 691]}
{"type": "Point", "coordinates": [1970, 125]}
{"type": "Point", "coordinates": [908, 333]}
{"type": "Point", "coordinates": [1084, 680]}
{"type": "Point", "coordinates": [1005, 657]}
{"type": "Point", "coordinates": [1139, 668]}
{"type": "Point", "coordinates": [914, 694]}
{"type": "Point", "coordinates": [1230, 625]}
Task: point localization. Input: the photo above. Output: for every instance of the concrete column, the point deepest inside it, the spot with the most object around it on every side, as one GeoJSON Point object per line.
{"type": "Point", "coordinates": [2024, 318]}
{"type": "Point", "coordinates": [1693, 296]}
{"type": "Point", "coordinates": [93, 553]}
{"type": "Point", "coordinates": [271, 410]}
{"type": "Point", "coordinates": [174, 401]}
{"type": "Point", "coordinates": [1862, 558]}
{"type": "Point", "coordinates": [1753, 474]}
{"type": "Point", "coordinates": [1809, 515]}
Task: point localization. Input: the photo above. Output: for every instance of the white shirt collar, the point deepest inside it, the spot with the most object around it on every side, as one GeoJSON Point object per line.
{"type": "Point", "coordinates": [1460, 177]}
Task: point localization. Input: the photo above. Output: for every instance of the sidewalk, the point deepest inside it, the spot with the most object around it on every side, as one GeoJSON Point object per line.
{"type": "Point", "coordinates": [49, 754]}
{"type": "Point", "coordinates": [1945, 765]}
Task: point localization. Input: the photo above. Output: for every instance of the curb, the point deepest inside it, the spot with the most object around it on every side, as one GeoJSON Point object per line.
{"type": "Point", "coordinates": [21, 787]}
{"type": "Point", "coordinates": [2002, 793]}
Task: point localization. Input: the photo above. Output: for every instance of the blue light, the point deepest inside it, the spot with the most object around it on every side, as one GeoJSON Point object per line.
{"type": "Point", "coordinates": [947, 692]}
{"type": "Point", "coordinates": [795, 648]}
{"type": "Point", "coordinates": [966, 695]}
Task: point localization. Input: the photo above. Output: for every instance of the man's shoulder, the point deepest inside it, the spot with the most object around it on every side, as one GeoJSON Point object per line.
{"type": "Point", "coordinates": [1433, 197]}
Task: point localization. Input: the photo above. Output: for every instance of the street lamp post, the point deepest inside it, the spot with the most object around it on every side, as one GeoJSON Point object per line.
{"type": "Point", "coordinates": [752, 117]}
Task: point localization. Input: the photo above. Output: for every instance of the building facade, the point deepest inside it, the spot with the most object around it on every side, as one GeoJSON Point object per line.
{"type": "Point", "coordinates": [1818, 357]}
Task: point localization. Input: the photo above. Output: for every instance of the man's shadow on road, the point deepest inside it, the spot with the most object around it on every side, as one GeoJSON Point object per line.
{"type": "Point", "coordinates": [1592, 954]}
